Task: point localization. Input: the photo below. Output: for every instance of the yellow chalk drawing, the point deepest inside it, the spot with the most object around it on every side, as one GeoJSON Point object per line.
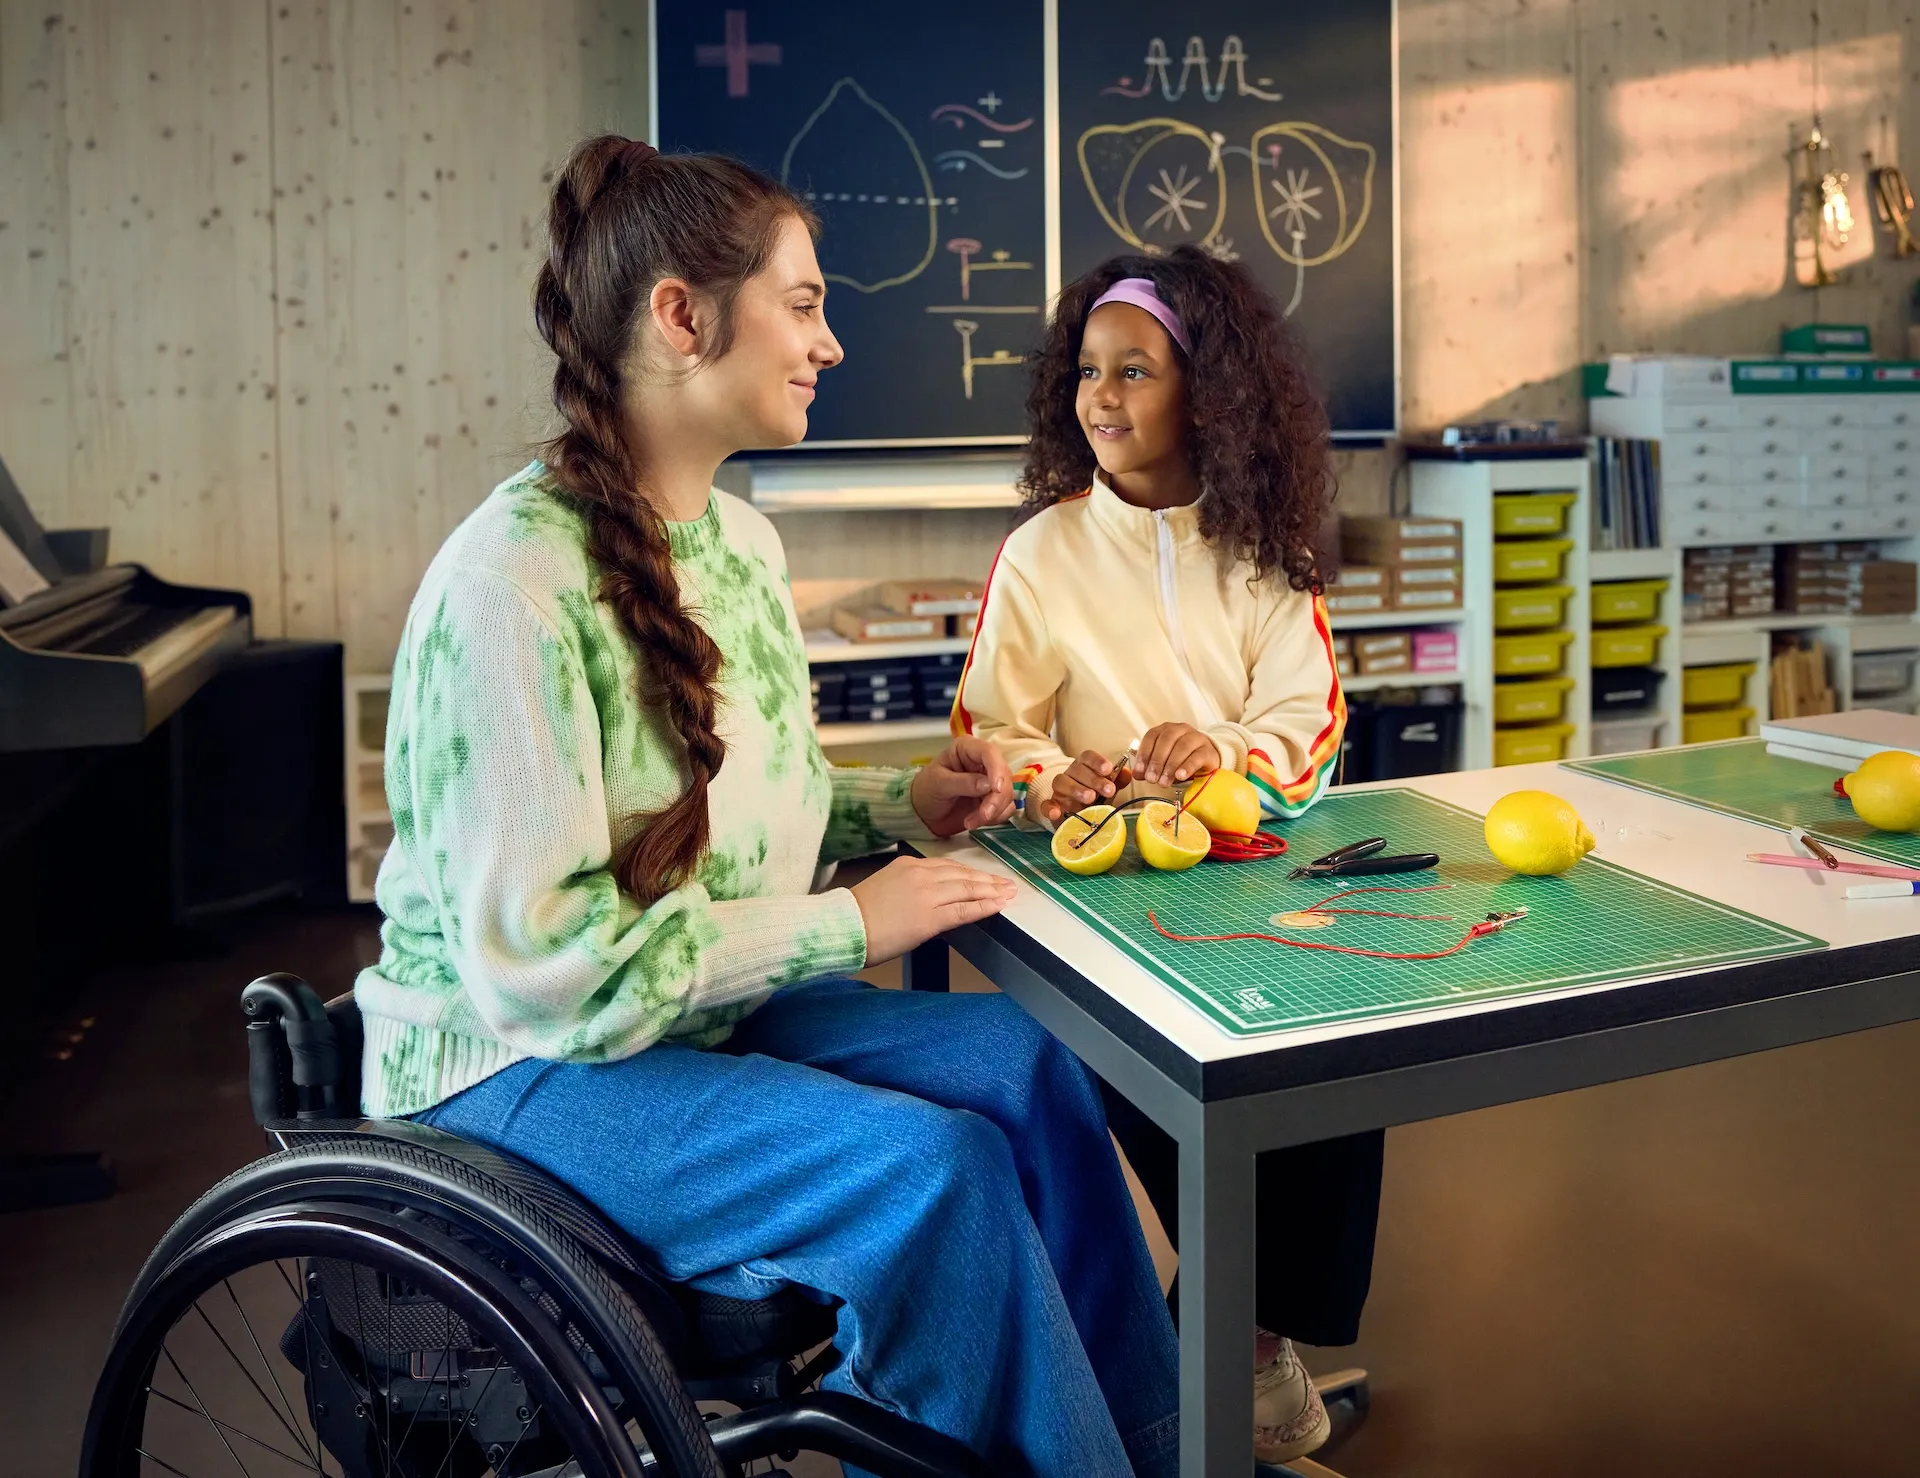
{"type": "Point", "coordinates": [1298, 198]}
{"type": "Point", "coordinates": [1164, 129]}
{"type": "Point", "coordinates": [926, 191]}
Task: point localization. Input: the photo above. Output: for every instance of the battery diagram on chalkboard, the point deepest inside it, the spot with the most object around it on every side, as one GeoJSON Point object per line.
{"type": "Point", "coordinates": [1265, 137]}
{"type": "Point", "coordinates": [917, 137]}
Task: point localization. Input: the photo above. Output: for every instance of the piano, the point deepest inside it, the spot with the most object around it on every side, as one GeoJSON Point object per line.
{"type": "Point", "coordinates": [106, 657]}
{"type": "Point", "coordinates": [102, 656]}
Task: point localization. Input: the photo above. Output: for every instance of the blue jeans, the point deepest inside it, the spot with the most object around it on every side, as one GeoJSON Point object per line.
{"type": "Point", "coordinates": [937, 1163]}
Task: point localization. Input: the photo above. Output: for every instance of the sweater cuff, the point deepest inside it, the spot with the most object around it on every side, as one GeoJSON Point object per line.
{"type": "Point", "coordinates": [1232, 742]}
{"type": "Point", "coordinates": [1033, 810]}
{"type": "Point", "coordinates": [883, 799]}
{"type": "Point", "coordinates": [765, 943]}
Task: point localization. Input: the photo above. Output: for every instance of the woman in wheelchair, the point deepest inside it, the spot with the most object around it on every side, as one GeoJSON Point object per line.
{"type": "Point", "coordinates": [602, 949]}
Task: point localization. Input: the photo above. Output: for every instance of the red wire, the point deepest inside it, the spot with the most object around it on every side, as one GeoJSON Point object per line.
{"type": "Point", "coordinates": [1233, 846]}
{"type": "Point", "coordinates": [1343, 949]}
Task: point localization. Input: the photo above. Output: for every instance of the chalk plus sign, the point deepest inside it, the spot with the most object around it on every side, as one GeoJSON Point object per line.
{"type": "Point", "coordinates": [736, 55]}
{"type": "Point", "coordinates": [989, 102]}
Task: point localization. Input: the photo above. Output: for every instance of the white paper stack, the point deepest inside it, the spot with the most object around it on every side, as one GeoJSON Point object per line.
{"type": "Point", "coordinates": [1841, 740]}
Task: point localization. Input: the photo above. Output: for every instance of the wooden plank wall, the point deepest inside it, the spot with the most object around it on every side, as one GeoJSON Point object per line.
{"type": "Point", "coordinates": [264, 264]}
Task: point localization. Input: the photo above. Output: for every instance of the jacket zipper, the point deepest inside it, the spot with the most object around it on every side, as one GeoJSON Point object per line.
{"type": "Point", "coordinates": [1170, 606]}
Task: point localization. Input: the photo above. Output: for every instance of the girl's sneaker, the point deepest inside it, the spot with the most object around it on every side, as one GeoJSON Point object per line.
{"type": "Point", "coordinates": [1289, 1420]}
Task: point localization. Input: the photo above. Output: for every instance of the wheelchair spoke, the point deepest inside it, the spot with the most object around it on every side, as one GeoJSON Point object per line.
{"type": "Point", "coordinates": [302, 1463]}
{"type": "Point", "coordinates": [265, 1363]}
{"type": "Point", "coordinates": [479, 1401]}
{"type": "Point", "coordinates": [204, 1412]}
{"type": "Point", "coordinates": [306, 1342]}
{"type": "Point", "coordinates": [241, 1365]}
{"type": "Point", "coordinates": [160, 1462]}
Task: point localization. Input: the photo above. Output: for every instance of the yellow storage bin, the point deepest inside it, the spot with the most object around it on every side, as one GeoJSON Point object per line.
{"type": "Point", "coordinates": [1530, 513]}
{"type": "Point", "coordinates": [1530, 606]}
{"type": "Point", "coordinates": [1709, 687]}
{"type": "Point", "coordinates": [1710, 724]}
{"type": "Point", "coordinates": [1537, 654]}
{"type": "Point", "coordinates": [1529, 561]}
{"type": "Point", "coordinates": [1530, 702]}
{"type": "Point", "coordinates": [1627, 646]}
{"type": "Point", "coordinates": [1627, 600]}
{"type": "Point", "coordinates": [1532, 745]}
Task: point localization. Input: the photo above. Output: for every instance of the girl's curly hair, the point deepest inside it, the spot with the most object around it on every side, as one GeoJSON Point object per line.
{"type": "Point", "coordinates": [1256, 427]}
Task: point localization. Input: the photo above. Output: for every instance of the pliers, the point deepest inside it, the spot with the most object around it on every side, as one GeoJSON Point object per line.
{"type": "Point", "coordinates": [1361, 859]}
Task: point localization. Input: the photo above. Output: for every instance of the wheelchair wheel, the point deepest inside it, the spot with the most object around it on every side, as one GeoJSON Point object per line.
{"type": "Point", "coordinates": [361, 1307]}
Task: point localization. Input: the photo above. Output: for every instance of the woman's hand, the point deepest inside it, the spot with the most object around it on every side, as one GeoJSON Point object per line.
{"type": "Point", "coordinates": [1088, 779]}
{"type": "Point", "coordinates": [913, 899]}
{"type": "Point", "coordinates": [1171, 753]}
{"type": "Point", "coordinates": [968, 785]}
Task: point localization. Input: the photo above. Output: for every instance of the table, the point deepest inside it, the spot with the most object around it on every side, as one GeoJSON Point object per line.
{"type": "Point", "coordinates": [1226, 1098]}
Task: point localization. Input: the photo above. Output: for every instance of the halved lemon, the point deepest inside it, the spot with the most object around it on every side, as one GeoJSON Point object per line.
{"type": "Point", "coordinates": [1090, 842]}
{"type": "Point", "coordinates": [1162, 846]}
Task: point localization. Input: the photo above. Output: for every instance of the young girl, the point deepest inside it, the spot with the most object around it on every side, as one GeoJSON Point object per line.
{"type": "Point", "coordinates": [1162, 596]}
{"type": "Point", "coordinates": [601, 951]}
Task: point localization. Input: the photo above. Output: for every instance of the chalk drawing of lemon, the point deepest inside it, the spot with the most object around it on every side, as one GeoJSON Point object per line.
{"type": "Point", "coordinates": [1315, 191]}
{"type": "Point", "coordinates": [1157, 183]}
{"type": "Point", "coordinates": [861, 170]}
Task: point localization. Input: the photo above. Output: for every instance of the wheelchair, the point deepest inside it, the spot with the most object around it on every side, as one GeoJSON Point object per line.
{"type": "Point", "coordinates": [379, 1299]}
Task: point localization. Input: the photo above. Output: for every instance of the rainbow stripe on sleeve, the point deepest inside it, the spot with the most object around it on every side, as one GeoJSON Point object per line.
{"type": "Point", "coordinates": [1287, 798]}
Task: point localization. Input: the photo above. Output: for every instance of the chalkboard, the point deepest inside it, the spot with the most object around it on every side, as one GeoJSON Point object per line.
{"type": "Point", "coordinates": [1261, 129]}
{"type": "Point", "coordinates": [917, 134]}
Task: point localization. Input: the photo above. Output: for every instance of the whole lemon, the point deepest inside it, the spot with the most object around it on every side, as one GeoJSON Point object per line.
{"type": "Point", "coordinates": [1225, 801]}
{"type": "Point", "coordinates": [1536, 833]}
{"type": "Point", "coordinates": [1090, 842]}
{"type": "Point", "coordinates": [1166, 847]}
{"type": "Point", "coordinates": [1885, 791]}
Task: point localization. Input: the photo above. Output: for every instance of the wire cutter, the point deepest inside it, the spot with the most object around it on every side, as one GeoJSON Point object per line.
{"type": "Point", "coordinates": [1362, 859]}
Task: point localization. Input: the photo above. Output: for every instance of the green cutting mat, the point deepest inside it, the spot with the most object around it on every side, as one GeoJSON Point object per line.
{"type": "Point", "coordinates": [1739, 778]}
{"type": "Point", "coordinates": [1596, 923]}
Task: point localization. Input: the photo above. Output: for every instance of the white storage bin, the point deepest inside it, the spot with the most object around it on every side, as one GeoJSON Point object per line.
{"type": "Point", "coordinates": [1883, 672]}
{"type": "Point", "coordinates": [1625, 735]}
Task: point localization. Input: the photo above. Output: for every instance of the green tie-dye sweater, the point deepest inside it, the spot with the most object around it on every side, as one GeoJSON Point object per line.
{"type": "Point", "coordinates": [517, 749]}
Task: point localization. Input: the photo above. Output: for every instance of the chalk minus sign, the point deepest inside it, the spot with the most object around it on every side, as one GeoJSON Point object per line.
{"type": "Point", "coordinates": [975, 308]}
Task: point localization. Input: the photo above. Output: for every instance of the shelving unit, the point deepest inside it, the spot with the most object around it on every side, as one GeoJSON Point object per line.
{"type": "Point", "coordinates": [369, 825]}
{"type": "Point", "coordinates": [1465, 491]}
{"type": "Point", "coordinates": [1771, 453]}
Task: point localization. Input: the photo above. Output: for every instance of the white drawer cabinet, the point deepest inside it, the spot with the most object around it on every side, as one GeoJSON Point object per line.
{"type": "Point", "coordinates": [1768, 471]}
{"type": "Point", "coordinates": [1891, 410]}
{"type": "Point", "coordinates": [1766, 413]}
{"type": "Point", "coordinates": [1701, 415]}
{"type": "Point", "coordinates": [1829, 414]}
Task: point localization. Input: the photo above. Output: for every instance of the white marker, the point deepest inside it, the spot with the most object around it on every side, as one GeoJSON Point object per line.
{"type": "Point", "coordinates": [1883, 890]}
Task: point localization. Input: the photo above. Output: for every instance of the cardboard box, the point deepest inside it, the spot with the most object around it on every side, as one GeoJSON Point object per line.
{"type": "Point", "coordinates": [1384, 652]}
{"type": "Point", "coordinates": [1355, 578]}
{"type": "Point", "coordinates": [878, 623]}
{"type": "Point", "coordinates": [1343, 602]}
{"type": "Point", "coordinates": [931, 597]}
{"type": "Point", "coordinates": [1408, 576]}
{"type": "Point", "coordinates": [1394, 541]}
{"type": "Point", "coordinates": [1428, 598]}
{"type": "Point", "coordinates": [963, 625]}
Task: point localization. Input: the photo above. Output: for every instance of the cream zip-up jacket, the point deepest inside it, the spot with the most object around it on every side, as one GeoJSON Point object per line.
{"type": "Point", "coordinates": [1101, 620]}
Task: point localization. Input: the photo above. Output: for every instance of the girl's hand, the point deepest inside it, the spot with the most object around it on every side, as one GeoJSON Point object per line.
{"type": "Point", "coordinates": [969, 785]}
{"type": "Point", "coordinates": [911, 900]}
{"type": "Point", "coordinates": [1171, 753]}
{"type": "Point", "coordinates": [1088, 779]}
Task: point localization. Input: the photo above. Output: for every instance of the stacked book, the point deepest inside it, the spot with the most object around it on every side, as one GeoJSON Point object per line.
{"type": "Point", "coordinates": [1626, 501]}
{"type": "Point", "coordinates": [1841, 740]}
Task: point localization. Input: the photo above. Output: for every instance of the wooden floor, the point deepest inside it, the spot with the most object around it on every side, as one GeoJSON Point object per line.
{"type": "Point", "coordinates": [1710, 1272]}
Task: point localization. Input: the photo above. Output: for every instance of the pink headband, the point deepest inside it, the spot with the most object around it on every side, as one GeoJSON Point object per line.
{"type": "Point", "coordinates": [1141, 292]}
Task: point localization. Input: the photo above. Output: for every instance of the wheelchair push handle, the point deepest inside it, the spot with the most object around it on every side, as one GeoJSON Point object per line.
{"type": "Point", "coordinates": [293, 1058]}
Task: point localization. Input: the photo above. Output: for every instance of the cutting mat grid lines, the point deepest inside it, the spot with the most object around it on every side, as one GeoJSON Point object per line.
{"type": "Point", "coordinates": [1740, 779]}
{"type": "Point", "coordinates": [1597, 924]}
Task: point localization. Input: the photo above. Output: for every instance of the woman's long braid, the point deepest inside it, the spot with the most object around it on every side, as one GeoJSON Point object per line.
{"type": "Point", "coordinates": [680, 664]}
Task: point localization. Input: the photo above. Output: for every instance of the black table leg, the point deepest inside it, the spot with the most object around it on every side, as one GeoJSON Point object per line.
{"type": "Point", "coordinates": [925, 967]}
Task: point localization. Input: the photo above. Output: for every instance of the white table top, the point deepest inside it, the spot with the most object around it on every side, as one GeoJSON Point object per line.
{"type": "Point", "coordinates": [1685, 846]}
